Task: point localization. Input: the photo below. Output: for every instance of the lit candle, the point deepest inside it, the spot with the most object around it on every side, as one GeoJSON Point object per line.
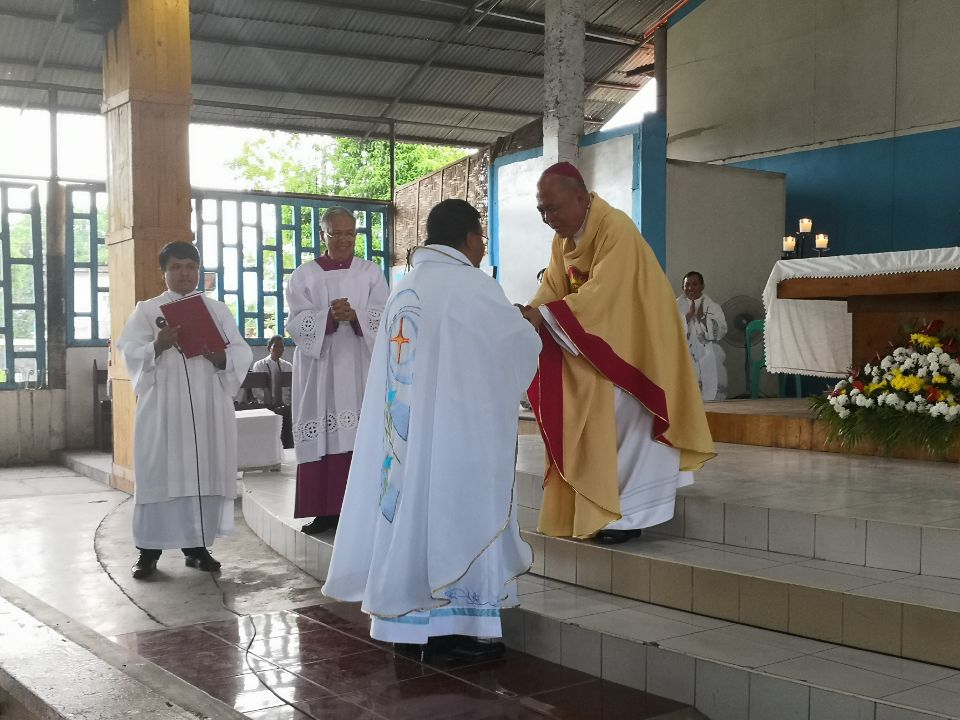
{"type": "Point", "coordinates": [789, 243]}
{"type": "Point", "coordinates": [806, 225]}
{"type": "Point", "coordinates": [822, 241]}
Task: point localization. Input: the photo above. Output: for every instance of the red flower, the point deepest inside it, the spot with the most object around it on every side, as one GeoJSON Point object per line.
{"type": "Point", "coordinates": [933, 395]}
{"type": "Point", "coordinates": [949, 345]}
{"type": "Point", "coordinates": [933, 328]}
{"type": "Point", "coordinates": [858, 385]}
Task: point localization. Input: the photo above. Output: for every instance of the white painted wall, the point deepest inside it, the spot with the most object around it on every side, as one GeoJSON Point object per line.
{"type": "Point", "coordinates": [32, 425]}
{"type": "Point", "coordinates": [79, 394]}
{"type": "Point", "coordinates": [725, 223]}
{"type": "Point", "coordinates": [747, 77]}
{"type": "Point", "coordinates": [607, 168]}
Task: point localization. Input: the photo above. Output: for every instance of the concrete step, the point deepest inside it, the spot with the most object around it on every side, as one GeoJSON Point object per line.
{"type": "Point", "coordinates": [726, 669]}
{"type": "Point", "coordinates": [888, 514]}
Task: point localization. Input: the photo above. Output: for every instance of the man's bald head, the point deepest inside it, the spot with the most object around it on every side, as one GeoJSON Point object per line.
{"type": "Point", "coordinates": [562, 199]}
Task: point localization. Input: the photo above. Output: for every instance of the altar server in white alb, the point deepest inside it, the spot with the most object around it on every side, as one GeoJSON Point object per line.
{"type": "Point", "coordinates": [705, 326]}
{"type": "Point", "coordinates": [168, 494]}
{"type": "Point", "coordinates": [428, 539]}
{"type": "Point", "coordinates": [335, 303]}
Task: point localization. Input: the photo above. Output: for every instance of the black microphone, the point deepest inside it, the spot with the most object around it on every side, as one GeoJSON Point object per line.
{"type": "Point", "coordinates": [161, 322]}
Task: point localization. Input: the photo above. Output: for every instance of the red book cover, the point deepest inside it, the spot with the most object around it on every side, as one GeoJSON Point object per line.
{"type": "Point", "coordinates": [199, 333]}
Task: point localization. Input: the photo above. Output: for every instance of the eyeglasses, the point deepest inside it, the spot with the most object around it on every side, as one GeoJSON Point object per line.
{"type": "Point", "coordinates": [486, 240]}
{"type": "Point", "coordinates": [342, 235]}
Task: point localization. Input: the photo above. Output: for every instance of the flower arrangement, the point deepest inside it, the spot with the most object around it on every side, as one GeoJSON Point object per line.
{"type": "Point", "coordinates": [908, 399]}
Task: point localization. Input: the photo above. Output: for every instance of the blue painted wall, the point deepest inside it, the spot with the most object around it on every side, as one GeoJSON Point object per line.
{"type": "Point", "coordinates": [899, 193]}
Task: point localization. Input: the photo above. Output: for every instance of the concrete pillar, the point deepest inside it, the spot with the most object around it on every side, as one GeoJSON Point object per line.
{"type": "Point", "coordinates": [56, 264]}
{"type": "Point", "coordinates": [146, 102]}
{"type": "Point", "coordinates": [563, 57]}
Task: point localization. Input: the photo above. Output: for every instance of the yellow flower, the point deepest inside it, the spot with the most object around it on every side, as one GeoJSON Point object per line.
{"type": "Point", "coordinates": [939, 380]}
{"type": "Point", "coordinates": [910, 383]}
{"type": "Point", "coordinates": [874, 386]}
{"type": "Point", "coordinates": [926, 341]}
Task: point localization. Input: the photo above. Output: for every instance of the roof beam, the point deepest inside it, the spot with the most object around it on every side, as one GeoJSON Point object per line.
{"type": "Point", "coordinates": [517, 22]}
{"type": "Point", "coordinates": [593, 32]}
{"type": "Point", "coordinates": [304, 92]}
{"type": "Point", "coordinates": [241, 122]}
{"type": "Point", "coordinates": [200, 37]}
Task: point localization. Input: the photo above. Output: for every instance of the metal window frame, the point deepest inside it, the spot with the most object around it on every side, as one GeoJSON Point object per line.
{"type": "Point", "coordinates": [96, 240]}
{"type": "Point", "coordinates": [302, 246]}
{"type": "Point", "coordinates": [37, 262]}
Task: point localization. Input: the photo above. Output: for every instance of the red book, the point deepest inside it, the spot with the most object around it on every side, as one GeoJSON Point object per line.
{"type": "Point", "coordinates": [199, 333]}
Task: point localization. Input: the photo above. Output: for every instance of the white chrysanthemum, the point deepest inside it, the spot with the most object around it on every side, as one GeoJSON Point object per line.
{"type": "Point", "coordinates": [952, 412]}
{"type": "Point", "coordinates": [911, 406]}
{"type": "Point", "coordinates": [854, 392]}
{"type": "Point", "coordinates": [934, 367]}
{"type": "Point", "coordinates": [843, 400]}
{"type": "Point", "coordinates": [944, 359]}
{"type": "Point", "coordinates": [843, 413]}
{"type": "Point", "coordinates": [868, 402]}
{"type": "Point", "coordinates": [921, 372]}
{"type": "Point", "coordinates": [886, 363]}
{"type": "Point", "coordinates": [868, 368]}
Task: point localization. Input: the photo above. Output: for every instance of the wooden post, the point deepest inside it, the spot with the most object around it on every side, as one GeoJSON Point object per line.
{"type": "Point", "coordinates": [147, 98]}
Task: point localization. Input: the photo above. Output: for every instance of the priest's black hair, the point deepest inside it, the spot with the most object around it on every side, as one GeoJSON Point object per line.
{"type": "Point", "coordinates": [274, 340]}
{"type": "Point", "coordinates": [180, 251]}
{"type": "Point", "coordinates": [694, 273]}
{"type": "Point", "coordinates": [450, 221]}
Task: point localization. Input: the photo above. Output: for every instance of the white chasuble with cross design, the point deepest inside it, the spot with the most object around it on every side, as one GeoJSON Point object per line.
{"type": "Point", "coordinates": [428, 538]}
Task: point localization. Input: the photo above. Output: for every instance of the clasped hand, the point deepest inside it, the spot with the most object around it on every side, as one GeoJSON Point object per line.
{"type": "Point", "coordinates": [341, 311]}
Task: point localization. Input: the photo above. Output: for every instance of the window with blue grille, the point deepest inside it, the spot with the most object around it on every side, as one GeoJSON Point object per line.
{"type": "Point", "coordinates": [249, 244]}
{"type": "Point", "coordinates": [22, 346]}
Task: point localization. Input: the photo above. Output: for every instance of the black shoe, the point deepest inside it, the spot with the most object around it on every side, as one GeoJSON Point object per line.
{"type": "Point", "coordinates": [615, 537]}
{"type": "Point", "coordinates": [473, 650]}
{"type": "Point", "coordinates": [201, 559]}
{"type": "Point", "coordinates": [320, 524]}
{"type": "Point", "coordinates": [409, 650]}
{"type": "Point", "coordinates": [145, 566]}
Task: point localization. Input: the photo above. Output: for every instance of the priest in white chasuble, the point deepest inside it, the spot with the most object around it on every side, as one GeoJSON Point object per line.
{"type": "Point", "coordinates": [615, 395]}
{"type": "Point", "coordinates": [428, 540]}
{"type": "Point", "coordinates": [185, 436]}
{"type": "Point", "coordinates": [334, 304]}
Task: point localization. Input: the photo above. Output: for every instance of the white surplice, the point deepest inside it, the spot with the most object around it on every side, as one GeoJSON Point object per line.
{"type": "Point", "coordinates": [329, 371]}
{"type": "Point", "coordinates": [428, 538]}
{"type": "Point", "coordinates": [166, 451]}
{"type": "Point", "coordinates": [704, 332]}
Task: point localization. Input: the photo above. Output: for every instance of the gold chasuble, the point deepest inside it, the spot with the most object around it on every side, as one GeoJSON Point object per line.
{"type": "Point", "coordinates": [614, 302]}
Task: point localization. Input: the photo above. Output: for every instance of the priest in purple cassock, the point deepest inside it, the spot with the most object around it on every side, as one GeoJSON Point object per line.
{"type": "Point", "coordinates": [334, 304]}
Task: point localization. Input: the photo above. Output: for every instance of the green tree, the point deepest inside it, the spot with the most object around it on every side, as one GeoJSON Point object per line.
{"type": "Point", "coordinates": [340, 166]}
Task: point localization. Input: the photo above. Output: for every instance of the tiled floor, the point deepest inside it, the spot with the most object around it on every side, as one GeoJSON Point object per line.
{"type": "Point", "coordinates": [321, 661]}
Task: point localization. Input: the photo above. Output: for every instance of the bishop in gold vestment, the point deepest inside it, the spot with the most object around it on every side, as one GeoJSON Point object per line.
{"type": "Point", "coordinates": [615, 395]}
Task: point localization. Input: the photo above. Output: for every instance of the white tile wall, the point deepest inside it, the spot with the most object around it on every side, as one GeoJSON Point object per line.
{"type": "Point", "coordinates": [703, 519]}
{"type": "Point", "coordinates": [723, 692]}
{"type": "Point", "coordinates": [671, 675]}
{"type": "Point", "coordinates": [624, 662]}
{"type": "Point", "coordinates": [792, 532]}
{"type": "Point", "coordinates": [775, 699]}
{"type": "Point", "coordinates": [893, 546]}
{"type": "Point", "coordinates": [746, 526]}
{"type": "Point", "coordinates": [841, 539]}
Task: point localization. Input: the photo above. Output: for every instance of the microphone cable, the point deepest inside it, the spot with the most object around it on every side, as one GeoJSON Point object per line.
{"type": "Point", "coordinates": [162, 323]}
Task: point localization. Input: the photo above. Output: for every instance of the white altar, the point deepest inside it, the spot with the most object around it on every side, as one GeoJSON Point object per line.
{"type": "Point", "coordinates": [813, 337]}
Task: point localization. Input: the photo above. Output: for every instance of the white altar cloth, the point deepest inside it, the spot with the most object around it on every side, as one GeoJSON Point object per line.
{"type": "Point", "coordinates": [814, 337]}
{"type": "Point", "coordinates": [258, 439]}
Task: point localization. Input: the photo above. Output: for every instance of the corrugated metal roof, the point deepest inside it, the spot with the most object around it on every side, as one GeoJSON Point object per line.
{"type": "Point", "coordinates": [456, 76]}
